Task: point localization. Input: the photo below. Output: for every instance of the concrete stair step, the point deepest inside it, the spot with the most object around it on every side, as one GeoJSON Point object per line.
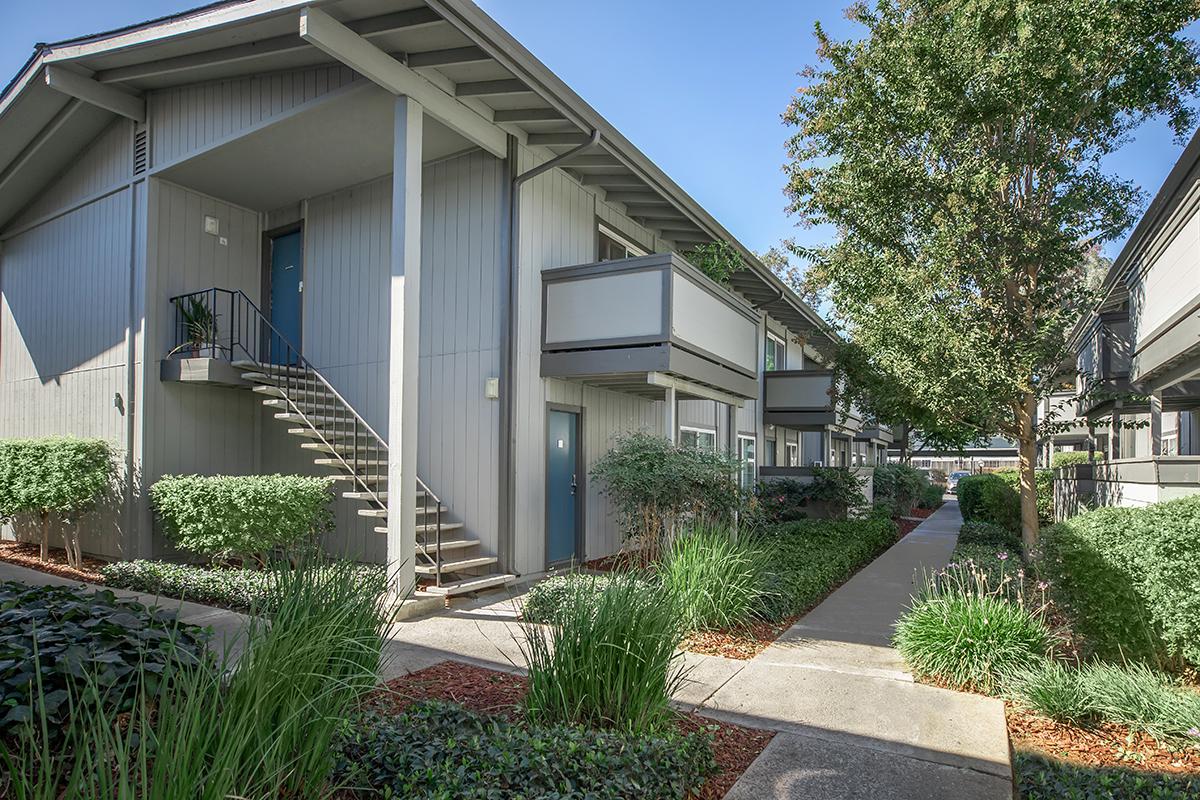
{"type": "Point", "coordinates": [274, 380]}
{"type": "Point", "coordinates": [365, 496]}
{"type": "Point", "coordinates": [379, 480]}
{"type": "Point", "coordinates": [376, 513]}
{"type": "Point", "coordinates": [467, 585]}
{"type": "Point", "coordinates": [337, 462]}
{"type": "Point", "coordinates": [453, 544]}
{"type": "Point", "coordinates": [269, 369]}
{"type": "Point", "coordinates": [335, 437]}
{"type": "Point", "coordinates": [346, 450]}
{"type": "Point", "coordinates": [446, 526]}
{"type": "Point", "coordinates": [457, 566]}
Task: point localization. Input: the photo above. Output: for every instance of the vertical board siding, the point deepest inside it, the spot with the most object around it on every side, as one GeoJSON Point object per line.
{"type": "Point", "coordinates": [185, 119]}
{"type": "Point", "coordinates": [189, 429]}
{"type": "Point", "coordinates": [558, 228]}
{"type": "Point", "coordinates": [64, 310]}
{"type": "Point", "coordinates": [105, 163]}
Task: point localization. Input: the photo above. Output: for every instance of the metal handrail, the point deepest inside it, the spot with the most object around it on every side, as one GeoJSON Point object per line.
{"type": "Point", "coordinates": [198, 326]}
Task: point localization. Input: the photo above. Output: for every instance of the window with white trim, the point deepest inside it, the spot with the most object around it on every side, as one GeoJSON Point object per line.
{"type": "Point", "coordinates": [700, 438]}
{"type": "Point", "coordinates": [792, 450]}
{"type": "Point", "coordinates": [746, 456]}
{"type": "Point", "coordinates": [776, 354]}
{"type": "Point", "coordinates": [613, 246]}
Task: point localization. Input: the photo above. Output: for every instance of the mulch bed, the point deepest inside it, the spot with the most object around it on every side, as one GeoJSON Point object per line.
{"type": "Point", "coordinates": [1105, 745]}
{"type": "Point", "coordinates": [742, 644]}
{"type": "Point", "coordinates": [906, 526]}
{"type": "Point", "coordinates": [489, 691]}
{"type": "Point", "coordinates": [923, 513]}
{"type": "Point", "coordinates": [26, 555]}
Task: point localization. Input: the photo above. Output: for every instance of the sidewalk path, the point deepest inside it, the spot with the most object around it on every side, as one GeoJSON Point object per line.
{"type": "Point", "coordinates": [852, 722]}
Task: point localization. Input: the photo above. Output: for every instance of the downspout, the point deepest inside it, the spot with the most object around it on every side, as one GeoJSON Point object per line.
{"type": "Point", "coordinates": [508, 338]}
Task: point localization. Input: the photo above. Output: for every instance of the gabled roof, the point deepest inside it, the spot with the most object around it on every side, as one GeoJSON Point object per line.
{"type": "Point", "coordinates": [451, 43]}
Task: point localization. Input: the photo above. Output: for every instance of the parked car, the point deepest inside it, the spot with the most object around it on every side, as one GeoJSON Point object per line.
{"type": "Point", "coordinates": [955, 477]}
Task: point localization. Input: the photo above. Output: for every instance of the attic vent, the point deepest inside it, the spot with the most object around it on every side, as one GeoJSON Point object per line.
{"type": "Point", "coordinates": [141, 151]}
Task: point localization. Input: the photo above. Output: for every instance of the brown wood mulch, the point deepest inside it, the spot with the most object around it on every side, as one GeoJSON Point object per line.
{"type": "Point", "coordinates": [1103, 745]}
{"type": "Point", "coordinates": [490, 691]}
{"type": "Point", "coordinates": [26, 555]}
{"type": "Point", "coordinates": [742, 644]}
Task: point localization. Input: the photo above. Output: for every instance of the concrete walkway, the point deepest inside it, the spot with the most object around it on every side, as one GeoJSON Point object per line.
{"type": "Point", "coordinates": [852, 722]}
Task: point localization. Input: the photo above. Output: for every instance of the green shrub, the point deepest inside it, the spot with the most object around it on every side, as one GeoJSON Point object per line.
{"type": "Point", "coordinates": [437, 750]}
{"type": "Point", "coordinates": [1039, 777]}
{"type": "Point", "coordinates": [968, 636]}
{"type": "Point", "coordinates": [656, 485]}
{"type": "Point", "coordinates": [838, 490]}
{"type": "Point", "coordinates": [238, 589]}
{"type": "Point", "coordinates": [263, 729]}
{"type": "Point", "coordinates": [809, 558]}
{"type": "Point", "coordinates": [1066, 458]}
{"type": "Point", "coordinates": [977, 532]}
{"type": "Point", "coordinates": [1043, 482]}
{"type": "Point", "coordinates": [717, 580]}
{"type": "Point", "coordinates": [989, 497]}
{"type": "Point", "coordinates": [56, 475]}
{"type": "Point", "coordinates": [546, 599]}
{"type": "Point", "coordinates": [932, 496]}
{"type": "Point", "coordinates": [1132, 695]}
{"type": "Point", "coordinates": [901, 486]}
{"type": "Point", "coordinates": [1130, 576]}
{"type": "Point", "coordinates": [59, 644]}
{"type": "Point", "coordinates": [611, 660]}
{"type": "Point", "coordinates": [780, 500]}
{"type": "Point", "coordinates": [244, 515]}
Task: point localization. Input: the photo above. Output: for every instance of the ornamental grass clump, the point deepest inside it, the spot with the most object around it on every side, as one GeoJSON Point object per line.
{"type": "Point", "coordinates": [967, 635]}
{"type": "Point", "coordinates": [261, 722]}
{"type": "Point", "coordinates": [1133, 695]}
{"type": "Point", "coordinates": [610, 660]}
{"type": "Point", "coordinates": [717, 580]}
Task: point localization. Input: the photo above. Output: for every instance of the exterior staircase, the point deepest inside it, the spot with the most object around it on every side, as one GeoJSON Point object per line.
{"type": "Point", "coordinates": [448, 562]}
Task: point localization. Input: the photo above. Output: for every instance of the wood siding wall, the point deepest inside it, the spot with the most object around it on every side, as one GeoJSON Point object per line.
{"type": "Point", "coordinates": [65, 288]}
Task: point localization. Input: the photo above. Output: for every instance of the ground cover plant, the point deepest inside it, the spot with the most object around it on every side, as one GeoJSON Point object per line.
{"type": "Point", "coordinates": [1041, 778]}
{"type": "Point", "coordinates": [1129, 577]}
{"type": "Point", "coordinates": [243, 516]}
{"type": "Point", "coordinates": [441, 750]}
{"type": "Point", "coordinates": [263, 725]}
{"type": "Point", "coordinates": [61, 476]}
{"type": "Point", "coordinates": [61, 646]}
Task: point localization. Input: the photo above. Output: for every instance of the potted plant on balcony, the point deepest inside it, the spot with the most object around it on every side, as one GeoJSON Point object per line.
{"type": "Point", "coordinates": [199, 326]}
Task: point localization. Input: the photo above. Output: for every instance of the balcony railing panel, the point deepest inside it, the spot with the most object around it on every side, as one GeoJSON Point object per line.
{"type": "Point", "coordinates": [806, 400]}
{"type": "Point", "coordinates": [651, 314]}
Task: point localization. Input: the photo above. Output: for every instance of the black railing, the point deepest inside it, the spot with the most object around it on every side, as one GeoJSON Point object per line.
{"type": "Point", "coordinates": [226, 324]}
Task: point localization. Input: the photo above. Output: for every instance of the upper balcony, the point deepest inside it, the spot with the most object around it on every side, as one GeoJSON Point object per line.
{"type": "Point", "coordinates": [874, 432]}
{"type": "Point", "coordinates": [646, 324]}
{"type": "Point", "coordinates": [806, 400]}
{"type": "Point", "coordinates": [1103, 362]}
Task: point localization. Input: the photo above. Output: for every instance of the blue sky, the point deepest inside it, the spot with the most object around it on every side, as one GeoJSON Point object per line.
{"type": "Point", "coordinates": [698, 86]}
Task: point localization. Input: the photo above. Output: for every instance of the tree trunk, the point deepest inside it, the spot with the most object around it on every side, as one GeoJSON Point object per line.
{"type": "Point", "coordinates": [1027, 459]}
{"type": "Point", "coordinates": [45, 549]}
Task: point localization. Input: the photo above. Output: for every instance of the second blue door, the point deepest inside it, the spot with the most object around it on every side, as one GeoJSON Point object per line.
{"type": "Point", "coordinates": [287, 284]}
{"type": "Point", "coordinates": [562, 487]}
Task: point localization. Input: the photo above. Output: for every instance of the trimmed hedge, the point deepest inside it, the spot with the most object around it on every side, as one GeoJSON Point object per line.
{"type": "Point", "coordinates": [988, 497]}
{"type": "Point", "coordinates": [245, 515]}
{"type": "Point", "coordinates": [438, 750]}
{"type": "Point", "coordinates": [237, 589]}
{"type": "Point", "coordinates": [807, 559]}
{"type": "Point", "coordinates": [1132, 578]}
{"type": "Point", "coordinates": [54, 475]}
{"type": "Point", "coordinates": [82, 646]}
{"type": "Point", "coordinates": [1043, 481]}
{"type": "Point", "coordinates": [1066, 458]}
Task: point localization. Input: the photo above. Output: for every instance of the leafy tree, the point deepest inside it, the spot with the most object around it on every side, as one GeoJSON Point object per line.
{"type": "Point", "coordinates": [957, 149]}
{"type": "Point", "coordinates": [718, 260]}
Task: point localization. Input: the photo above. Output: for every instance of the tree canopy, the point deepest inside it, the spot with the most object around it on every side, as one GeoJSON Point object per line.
{"type": "Point", "coordinates": [958, 150]}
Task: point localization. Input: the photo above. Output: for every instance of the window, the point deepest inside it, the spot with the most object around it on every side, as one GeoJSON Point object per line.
{"type": "Point", "coordinates": [746, 454]}
{"type": "Point", "coordinates": [792, 450]}
{"type": "Point", "coordinates": [701, 438]}
{"type": "Point", "coordinates": [613, 246]}
{"type": "Point", "coordinates": [768, 452]}
{"type": "Point", "coordinates": [776, 357]}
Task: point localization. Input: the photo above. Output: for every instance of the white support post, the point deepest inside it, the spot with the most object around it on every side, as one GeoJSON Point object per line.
{"type": "Point", "coordinates": [403, 342]}
{"type": "Point", "coordinates": [671, 416]}
{"type": "Point", "coordinates": [1156, 427]}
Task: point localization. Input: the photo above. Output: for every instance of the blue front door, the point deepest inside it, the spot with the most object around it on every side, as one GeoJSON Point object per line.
{"type": "Point", "coordinates": [562, 486]}
{"type": "Point", "coordinates": [287, 282]}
